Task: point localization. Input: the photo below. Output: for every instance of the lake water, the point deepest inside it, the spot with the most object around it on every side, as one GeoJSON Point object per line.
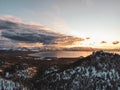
{"type": "Point", "coordinates": [64, 54]}
{"type": "Point", "coordinates": [61, 54]}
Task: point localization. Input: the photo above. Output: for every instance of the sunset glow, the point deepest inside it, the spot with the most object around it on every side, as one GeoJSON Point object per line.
{"type": "Point", "coordinates": [30, 45]}
{"type": "Point", "coordinates": [75, 18]}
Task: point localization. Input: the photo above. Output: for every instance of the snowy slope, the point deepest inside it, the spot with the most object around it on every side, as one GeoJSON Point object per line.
{"type": "Point", "coordinates": [99, 71]}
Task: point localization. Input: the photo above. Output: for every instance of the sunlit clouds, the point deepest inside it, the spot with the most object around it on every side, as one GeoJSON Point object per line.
{"type": "Point", "coordinates": [29, 36]}
{"type": "Point", "coordinates": [30, 45]}
{"type": "Point", "coordinates": [95, 22]}
{"type": "Point", "coordinates": [15, 32]}
{"type": "Point", "coordinates": [11, 18]}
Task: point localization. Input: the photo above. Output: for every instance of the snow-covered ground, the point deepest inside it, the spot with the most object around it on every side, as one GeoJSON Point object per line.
{"type": "Point", "coordinates": [99, 71]}
{"type": "Point", "coordinates": [10, 85]}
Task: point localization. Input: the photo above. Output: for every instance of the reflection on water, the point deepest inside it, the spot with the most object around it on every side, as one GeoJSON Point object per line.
{"type": "Point", "coordinates": [62, 54]}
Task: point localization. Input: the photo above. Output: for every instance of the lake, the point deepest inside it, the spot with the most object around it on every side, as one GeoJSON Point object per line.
{"type": "Point", "coordinates": [61, 54]}
{"type": "Point", "coordinates": [64, 54]}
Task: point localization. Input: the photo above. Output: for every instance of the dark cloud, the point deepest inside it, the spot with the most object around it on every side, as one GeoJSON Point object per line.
{"type": "Point", "coordinates": [20, 32]}
{"type": "Point", "coordinates": [29, 37]}
{"type": "Point", "coordinates": [26, 33]}
{"type": "Point", "coordinates": [7, 24]}
{"type": "Point", "coordinates": [115, 42]}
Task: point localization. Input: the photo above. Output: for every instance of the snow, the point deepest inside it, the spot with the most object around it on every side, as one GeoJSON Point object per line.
{"type": "Point", "coordinates": [93, 73]}
{"type": "Point", "coordinates": [27, 73]}
{"type": "Point", "coordinates": [99, 72]}
{"type": "Point", "coordinates": [10, 85]}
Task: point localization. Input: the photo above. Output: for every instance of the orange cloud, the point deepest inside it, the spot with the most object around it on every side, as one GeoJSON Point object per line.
{"type": "Point", "coordinates": [68, 41]}
{"type": "Point", "coordinates": [30, 45]}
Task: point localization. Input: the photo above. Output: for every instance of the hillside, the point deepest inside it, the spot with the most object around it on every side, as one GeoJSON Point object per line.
{"type": "Point", "coordinates": [98, 71]}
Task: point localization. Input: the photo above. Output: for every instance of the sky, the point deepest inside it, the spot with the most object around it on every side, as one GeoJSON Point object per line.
{"type": "Point", "coordinates": [97, 19]}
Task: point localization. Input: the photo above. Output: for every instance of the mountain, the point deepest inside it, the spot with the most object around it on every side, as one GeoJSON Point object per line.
{"type": "Point", "coordinates": [99, 71]}
{"type": "Point", "coordinates": [14, 34]}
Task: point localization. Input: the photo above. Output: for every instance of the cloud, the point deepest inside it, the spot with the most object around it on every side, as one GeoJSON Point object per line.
{"type": "Point", "coordinates": [87, 38]}
{"type": "Point", "coordinates": [29, 45]}
{"type": "Point", "coordinates": [103, 42]}
{"type": "Point", "coordinates": [67, 40]}
{"type": "Point", "coordinates": [60, 25]}
{"type": "Point", "coordinates": [34, 23]}
{"type": "Point", "coordinates": [27, 35]}
{"type": "Point", "coordinates": [115, 42]}
{"type": "Point", "coordinates": [11, 18]}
